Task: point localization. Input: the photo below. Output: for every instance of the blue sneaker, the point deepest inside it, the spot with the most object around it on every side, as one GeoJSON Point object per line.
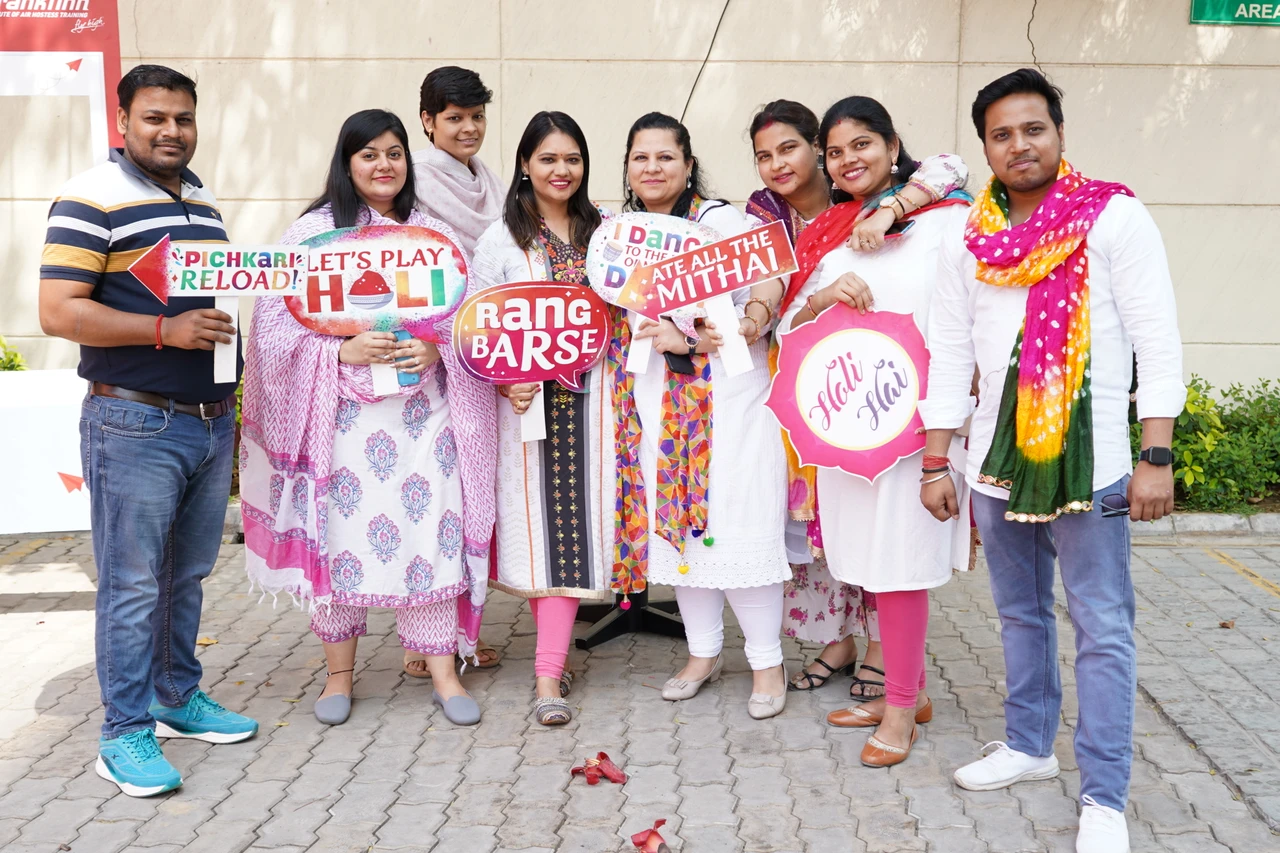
{"type": "Point", "coordinates": [135, 763]}
{"type": "Point", "coordinates": [202, 719]}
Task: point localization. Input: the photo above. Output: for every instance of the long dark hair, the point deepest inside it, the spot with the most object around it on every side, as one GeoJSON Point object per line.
{"type": "Point", "coordinates": [339, 190]}
{"type": "Point", "coordinates": [697, 183]}
{"type": "Point", "coordinates": [520, 212]}
{"type": "Point", "coordinates": [791, 113]}
{"type": "Point", "coordinates": [872, 115]}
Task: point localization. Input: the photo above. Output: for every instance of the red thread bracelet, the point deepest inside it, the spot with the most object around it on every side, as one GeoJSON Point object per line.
{"type": "Point", "coordinates": [936, 462]}
{"type": "Point", "coordinates": [808, 303]}
{"type": "Point", "coordinates": [159, 320]}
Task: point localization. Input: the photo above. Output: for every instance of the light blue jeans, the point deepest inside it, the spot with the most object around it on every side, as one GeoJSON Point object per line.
{"type": "Point", "coordinates": [1093, 553]}
{"type": "Point", "coordinates": [158, 484]}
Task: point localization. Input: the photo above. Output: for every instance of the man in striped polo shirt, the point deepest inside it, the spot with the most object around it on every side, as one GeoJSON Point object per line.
{"type": "Point", "coordinates": [156, 431]}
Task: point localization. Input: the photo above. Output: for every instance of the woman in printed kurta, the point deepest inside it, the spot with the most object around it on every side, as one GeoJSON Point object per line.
{"type": "Point", "coordinates": [818, 608]}
{"type": "Point", "coordinates": [713, 516]}
{"type": "Point", "coordinates": [353, 500]}
{"type": "Point", "coordinates": [877, 536]}
{"type": "Point", "coordinates": [554, 529]}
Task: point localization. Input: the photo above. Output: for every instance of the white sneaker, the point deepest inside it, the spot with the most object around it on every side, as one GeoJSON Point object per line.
{"type": "Point", "coordinates": [1102, 829]}
{"type": "Point", "coordinates": [1004, 767]}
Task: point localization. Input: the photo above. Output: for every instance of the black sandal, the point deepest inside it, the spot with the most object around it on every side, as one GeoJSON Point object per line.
{"type": "Point", "coordinates": [860, 682]}
{"type": "Point", "coordinates": [814, 680]}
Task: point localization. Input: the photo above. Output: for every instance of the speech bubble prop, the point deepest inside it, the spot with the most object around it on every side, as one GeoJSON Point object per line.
{"type": "Point", "coordinates": [225, 271]}
{"type": "Point", "coordinates": [632, 240]}
{"type": "Point", "coordinates": [708, 271]}
{"type": "Point", "coordinates": [380, 278]}
{"type": "Point", "coordinates": [848, 388]}
{"type": "Point", "coordinates": [531, 332]}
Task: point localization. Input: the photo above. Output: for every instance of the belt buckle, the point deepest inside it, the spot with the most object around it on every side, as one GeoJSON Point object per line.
{"type": "Point", "coordinates": [203, 416]}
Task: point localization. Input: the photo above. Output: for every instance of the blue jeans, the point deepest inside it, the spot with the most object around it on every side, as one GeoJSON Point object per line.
{"type": "Point", "coordinates": [158, 484]}
{"type": "Point", "coordinates": [1093, 553]}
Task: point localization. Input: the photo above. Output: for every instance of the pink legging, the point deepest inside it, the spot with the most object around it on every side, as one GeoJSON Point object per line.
{"type": "Point", "coordinates": [904, 622]}
{"type": "Point", "coordinates": [554, 616]}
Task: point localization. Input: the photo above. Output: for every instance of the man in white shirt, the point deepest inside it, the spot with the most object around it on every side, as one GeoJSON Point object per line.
{"type": "Point", "coordinates": [1056, 281]}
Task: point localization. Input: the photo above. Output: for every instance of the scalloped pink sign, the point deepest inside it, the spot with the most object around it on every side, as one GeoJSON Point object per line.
{"type": "Point", "coordinates": [848, 389]}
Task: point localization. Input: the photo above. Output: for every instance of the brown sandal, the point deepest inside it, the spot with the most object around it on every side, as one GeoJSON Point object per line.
{"type": "Point", "coordinates": [877, 753]}
{"type": "Point", "coordinates": [413, 657]}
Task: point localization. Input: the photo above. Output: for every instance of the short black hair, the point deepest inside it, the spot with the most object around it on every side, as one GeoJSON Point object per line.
{"type": "Point", "coordinates": [1026, 80]}
{"type": "Point", "coordinates": [450, 84]}
{"type": "Point", "coordinates": [152, 77]}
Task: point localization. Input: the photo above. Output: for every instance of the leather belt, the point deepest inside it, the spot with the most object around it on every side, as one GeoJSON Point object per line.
{"type": "Point", "coordinates": [203, 411]}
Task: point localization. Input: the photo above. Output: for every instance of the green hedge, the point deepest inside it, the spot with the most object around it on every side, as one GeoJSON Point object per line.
{"type": "Point", "coordinates": [1226, 447]}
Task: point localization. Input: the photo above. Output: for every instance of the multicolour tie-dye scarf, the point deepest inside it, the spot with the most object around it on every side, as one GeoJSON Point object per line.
{"type": "Point", "coordinates": [684, 460]}
{"type": "Point", "coordinates": [1042, 450]}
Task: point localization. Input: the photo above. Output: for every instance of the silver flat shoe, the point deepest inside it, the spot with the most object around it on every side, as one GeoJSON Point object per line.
{"type": "Point", "coordinates": [762, 706]}
{"type": "Point", "coordinates": [333, 710]}
{"type": "Point", "coordinates": [676, 689]}
{"type": "Point", "coordinates": [551, 711]}
{"type": "Point", "coordinates": [459, 710]}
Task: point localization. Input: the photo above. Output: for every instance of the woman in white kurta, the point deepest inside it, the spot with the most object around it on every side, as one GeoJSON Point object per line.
{"type": "Point", "coordinates": [740, 555]}
{"type": "Point", "coordinates": [877, 536]}
{"type": "Point", "coordinates": [555, 519]}
{"type": "Point", "coordinates": [819, 609]}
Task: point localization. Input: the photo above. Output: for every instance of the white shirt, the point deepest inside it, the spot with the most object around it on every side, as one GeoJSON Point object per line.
{"type": "Point", "coordinates": [1132, 311]}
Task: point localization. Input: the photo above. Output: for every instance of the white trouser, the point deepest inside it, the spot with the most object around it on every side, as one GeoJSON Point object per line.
{"type": "Point", "coordinates": [759, 612]}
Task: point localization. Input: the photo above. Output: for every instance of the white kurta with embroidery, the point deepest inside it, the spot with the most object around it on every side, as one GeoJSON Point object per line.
{"type": "Point", "coordinates": [879, 536]}
{"type": "Point", "coordinates": [746, 495]}
{"type": "Point", "coordinates": [520, 539]}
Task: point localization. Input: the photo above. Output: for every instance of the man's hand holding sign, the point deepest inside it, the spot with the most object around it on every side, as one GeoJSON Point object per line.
{"type": "Point", "coordinates": [521, 334]}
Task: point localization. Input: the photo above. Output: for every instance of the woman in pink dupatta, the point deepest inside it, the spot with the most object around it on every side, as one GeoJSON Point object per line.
{"type": "Point", "coordinates": [351, 500]}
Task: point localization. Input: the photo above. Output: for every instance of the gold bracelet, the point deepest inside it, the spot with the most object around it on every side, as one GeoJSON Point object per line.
{"type": "Point", "coordinates": [756, 336]}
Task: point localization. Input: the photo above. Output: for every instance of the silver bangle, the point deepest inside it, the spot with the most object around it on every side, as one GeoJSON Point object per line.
{"type": "Point", "coordinates": [942, 476]}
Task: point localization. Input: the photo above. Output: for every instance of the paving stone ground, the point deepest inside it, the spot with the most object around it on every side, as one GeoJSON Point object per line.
{"type": "Point", "coordinates": [398, 776]}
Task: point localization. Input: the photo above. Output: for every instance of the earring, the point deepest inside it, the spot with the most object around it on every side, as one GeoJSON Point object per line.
{"type": "Point", "coordinates": [894, 169]}
{"type": "Point", "coordinates": [525, 176]}
{"type": "Point", "coordinates": [688, 182]}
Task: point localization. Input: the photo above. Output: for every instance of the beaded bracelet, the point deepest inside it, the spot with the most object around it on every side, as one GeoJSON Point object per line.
{"type": "Point", "coordinates": [808, 303]}
{"type": "Point", "coordinates": [768, 309]}
{"type": "Point", "coordinates": [756, 336]}
{"type": "Point", "coordinates": [159, 322]}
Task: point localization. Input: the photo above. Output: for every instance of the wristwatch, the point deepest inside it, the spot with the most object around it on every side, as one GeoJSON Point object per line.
{"type": "Point", "coordinates": [1156, 456]}
{"type": "Point", "coordinates": [887, 202]}
{"type": "Point", "coordinates": [692, 341]}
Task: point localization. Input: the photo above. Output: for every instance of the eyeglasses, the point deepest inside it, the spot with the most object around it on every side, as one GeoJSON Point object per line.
{"type": "Point", "coordinates": [1114, 506]}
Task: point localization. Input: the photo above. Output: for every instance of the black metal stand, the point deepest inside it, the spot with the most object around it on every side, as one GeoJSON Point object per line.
{"type": "Point", "coordinates": [612, 621]}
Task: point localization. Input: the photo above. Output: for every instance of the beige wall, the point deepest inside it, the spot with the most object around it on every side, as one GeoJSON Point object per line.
{"type": "Point", "coordinates": [1187, 116]}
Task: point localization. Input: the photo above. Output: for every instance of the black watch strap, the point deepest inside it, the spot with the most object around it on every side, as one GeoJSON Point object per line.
{"type": "Point", "coordinates": [1156, 456]}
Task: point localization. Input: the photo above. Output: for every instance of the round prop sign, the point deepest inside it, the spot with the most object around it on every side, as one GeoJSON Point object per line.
{"type": "Point", "coordinates": [632, 240]}
{"type": "Point", "coordinates": [381, 278]}
{"type": "Point", "coordinates": [848, 388]}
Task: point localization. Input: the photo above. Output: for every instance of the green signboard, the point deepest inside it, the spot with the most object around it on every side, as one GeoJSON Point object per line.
{"type": "Point", "coordinates": [1234, 12]}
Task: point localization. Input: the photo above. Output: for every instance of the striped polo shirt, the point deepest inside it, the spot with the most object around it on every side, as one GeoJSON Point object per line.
{"type": "Point", "coordinates": [100, 223]}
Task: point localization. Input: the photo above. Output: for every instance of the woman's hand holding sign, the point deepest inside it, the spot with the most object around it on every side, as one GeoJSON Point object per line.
{"type": "Point", "coordinates": [849, 289]}
{"type": "Point", "coordinates": [521, 395]}
{"type": "Point", "coordinates": [423, 354]}
{"type": "Point", "coordinates": [666, 337]}
{"type": "Point", "coordinates": [368, 348]}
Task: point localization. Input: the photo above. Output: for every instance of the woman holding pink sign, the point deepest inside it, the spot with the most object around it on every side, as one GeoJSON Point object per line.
{"type": "Point", "coordinates": [554, 532]}
{"type": "Point", "coordinates": [716, 501]}
{"type": "Point", "coordinates": [819, 609]}
{"type": "Point", "coordinates": [873, 536]}
{"type": "Point", "coordinates": [353, 500]}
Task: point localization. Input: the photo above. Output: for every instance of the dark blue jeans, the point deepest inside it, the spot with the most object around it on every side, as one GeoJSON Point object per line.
{"type": "Point", "coordinates": [1093, 555]}
{"type": "Point", "coordinates": [158, 484]}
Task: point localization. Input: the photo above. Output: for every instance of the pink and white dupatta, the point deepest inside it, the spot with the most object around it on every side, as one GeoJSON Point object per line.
{"type": "Point", "coordinates": [292, 383]}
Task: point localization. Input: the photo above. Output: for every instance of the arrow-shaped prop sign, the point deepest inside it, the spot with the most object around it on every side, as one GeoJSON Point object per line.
{"type": "Point", "coordinates": [709, 271]}
{"type": "Point", "coordinates": [227, 272]}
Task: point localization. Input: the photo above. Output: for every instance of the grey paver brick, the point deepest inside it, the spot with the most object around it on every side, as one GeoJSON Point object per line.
{"type": "Point", "coordinates": [529, 824]}
{"type": "Point", "coordinates": [176, 821]}
{"type": "Point", "coordinates": [479, 805]}
{"type": "Point", "coordinates": [59, 818]}
{"type": "Point", "coordinates": [105, 836]}
{"type": "Point", "coordinates": [888, 828]}
{"type": "Point", "coordinates": [474, 839]}
{"type": "Point", "coordinates": [27, 797]}
{"type": "Point", "coordinates": [705, 805]}
{"type": "Point", "coordinates": [410, 826]}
